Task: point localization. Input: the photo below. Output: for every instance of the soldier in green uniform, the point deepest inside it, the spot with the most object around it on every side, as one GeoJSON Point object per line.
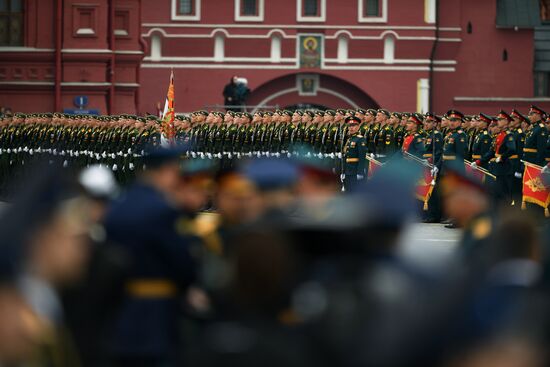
{"type": "Point", "coordinates": [519, 135]}
{"type": "Point", "coordinates": [503, 153]}
{"type": "Point", "coordinates": [433, 153]}
{"type": "Point", "coordinates": [535, 138]}
{"type": "Point", "coordinates": [354, 167]}
{"type": "Point", "coordinates": [455, 143]}
{"type": "Point", "coordinates": [371, 130]}
{"type": "Point", "coordinates": [483, 140]}
{"type": "Point", "coordinates": [399, 129]}
{"type": "Point", "coordinates": [413, 142]}
{"type": "Point", "coordinates": [385, 139]}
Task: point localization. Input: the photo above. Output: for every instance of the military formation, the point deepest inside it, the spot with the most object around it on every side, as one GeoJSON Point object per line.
{"type": "Point", "coordinates": [348, 140]}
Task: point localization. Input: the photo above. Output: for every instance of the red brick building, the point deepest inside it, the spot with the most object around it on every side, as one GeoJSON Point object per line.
{"type": "Point", "coordinates": [404, 55]}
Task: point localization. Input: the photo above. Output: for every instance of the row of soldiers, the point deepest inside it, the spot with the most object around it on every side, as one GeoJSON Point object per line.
{"type": "Point", "coordinates": [119, 141]}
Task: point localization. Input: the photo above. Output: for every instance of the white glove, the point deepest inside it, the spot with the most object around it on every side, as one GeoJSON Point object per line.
{"type": "Point", "coordinates": [473, 165]}
{"type": "Point", "coordinates": [31, 152]}
{"type": "Point", "coordinates": [104, 155]}
{"type": "Point", "coordinates": [339, 155]}
{"type": "Point", "coordinates": [131, 166]}
{"type": "Point", "coordinates": [518, 174]}
{"type": "Point", "coordinates": [97, 156]}
{"type": "Point", "coordinates": [193, 154]}
{"type": "Point", "coordinates": [129, 150]}
{"type": "Point", "coordinates": [62, 153]}
{"type": "Point", "coordinates": [119, 153]}
{"type": "Point", "coordinates": [219, 155]}
{"type": "Point", "coordinates": [289, 155]}
{"type": "Point", "coordinates": [55, 152]}
{"type": "Point", "coordinates": [544, 169]}
{"type": "Point", "coordinates": [498, 160]}
{"type": "Point", "coordinates": [360, 177]}
{"type": "Point", "coordinates": [258, 154]}
{"type": "Point", "coordinates": [435, 170]}
{"type": "Point", "coordinates": [9, 150]}
{"type": "Point", "coordinates": [113, 156]}
{"type": "Point", "coordinates": [209, 156]}
{"type": "Point", "coordinates": [229, 155]}
{"type": "Point", "coordinates": [372, 155]}
{"type": "Point", "coordinates": [25, 149]}
{"type": "Point", "coordinates": [65, 164]}
{"type": "Point", "coordinates": [342, 177]}
{"type": "Point", "coordinates": [115, 167]}
{"type": "Point", "coordinates": [76, 154]}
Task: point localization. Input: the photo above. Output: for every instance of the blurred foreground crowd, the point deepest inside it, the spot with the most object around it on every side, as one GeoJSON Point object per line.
{"type": "Point", "coordinates": [285, 271]}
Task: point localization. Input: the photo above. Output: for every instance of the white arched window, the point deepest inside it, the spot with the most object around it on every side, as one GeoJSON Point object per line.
{"type": "Point", "coordinates": [276, 48]}
{"type": "Point", "coordinates": [343, 49]}
{"type": "Point", "coordinates": [219, 47]}
{"type": "Point", "coordinates": [389, 50]}
{"type": "Point", "coordinates": [156, 47]}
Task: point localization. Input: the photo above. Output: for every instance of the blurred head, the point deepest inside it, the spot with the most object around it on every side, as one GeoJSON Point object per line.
{"type": "Point", "coordinates": [237, 199]}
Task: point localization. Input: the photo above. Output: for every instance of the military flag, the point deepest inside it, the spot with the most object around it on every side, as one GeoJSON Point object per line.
{"type": "Point", "coordinates": [535, 191]}
{"type": "Point", "coordinates": [168, 115]}
{"type": "Point", "coordinates": [425, 187]}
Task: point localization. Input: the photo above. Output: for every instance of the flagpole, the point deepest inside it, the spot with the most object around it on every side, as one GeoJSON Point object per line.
{"type": "Point", "coordinates": [481, 169]}
{"type": "Point", "coordinates": [531, 164]}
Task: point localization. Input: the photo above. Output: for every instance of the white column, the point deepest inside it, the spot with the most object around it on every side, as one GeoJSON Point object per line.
{"type": "Point", "coordinates": [156, 47]}
{"type": "Point", "coordinates": [429, 11]}
{"type": "Point", "coordinates": [219, 48]}
{"type": "Point", "coordinates": [423, 95]}
{"type": "Point", "coordinates": [343, 49]}
{"type": "Point", "coordinates": [389, 50]}
{"type": "Point", "coordinates": [276, 49]}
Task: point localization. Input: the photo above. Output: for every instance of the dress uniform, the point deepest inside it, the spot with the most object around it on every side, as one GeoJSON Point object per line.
{"type": "Point", "coordinates": [455, 144]}
{"type": "Point", "coordinates": [143, 223]}
{"type": "Point", "coordinates": [535, 138]}
{"type": "Point", "coordinates": [433, 153]}
{"type": "Point", "coordinates": [354, 156]}
{"type": "Point", "coordinates": [503, 153]}
{"type": "Point", "coordinates": [413, 143]}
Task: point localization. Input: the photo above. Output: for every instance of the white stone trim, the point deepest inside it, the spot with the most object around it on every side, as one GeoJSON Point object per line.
{"type": "Point", "coordinates": [85, 32]}
{"type": "Point", "coordinates": [381, 19]}
{"type": "Point", "coordinates": [25, 49]}
{"type": "Point", "coordinates": [194, 17]}
{"type": "Point", "coordinates": [300, 26]}
{"type": "Point", "coordinates": [502, 99]}
{"type": "Point", "coordinates": [293, 67]}
{"type": "Point", "coordinates": [322, 12]}
{"type": "Point", "coordinates": [248, 18]}
{"type": "Point", "coordinates": [85, 84]}
{"type": "Point", "coordinates": [27, 83]}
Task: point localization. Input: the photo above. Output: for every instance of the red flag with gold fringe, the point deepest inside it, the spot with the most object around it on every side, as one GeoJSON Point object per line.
{"type": "Point", "coordinates": [534, 189]}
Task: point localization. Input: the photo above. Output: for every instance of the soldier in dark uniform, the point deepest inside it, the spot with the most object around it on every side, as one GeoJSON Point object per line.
{"type": "Point", "coordinates": [385, 139]}
{"type": "Point", "coordinates": [145, 224]}
{"type": "Point", "coordinates": [535, 138]}
{"type": "Point", "coordinates": [413, 143]}
{"type": "Point", "coordinates": [398, 128]}
{"type": "Point", "coordinates": [456, 142]}
{"type": "Point", "coordinates": [354, 155]}
{"type": "Point", "coordinates": [371, 130]}
{"type": "Point", "coordinates": [433, 153]}
{"type": "Point", "coordinates": [482, 141]}
{"type": "Point", "coordinates": [504, 153]}
{"type": "Point", "coordinates": [519, 136]}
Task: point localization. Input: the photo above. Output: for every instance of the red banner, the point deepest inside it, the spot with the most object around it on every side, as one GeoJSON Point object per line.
{"type": "Point", "coordinates": [534, 189]}
{"type": "Point", "coordinates": [424, 187]}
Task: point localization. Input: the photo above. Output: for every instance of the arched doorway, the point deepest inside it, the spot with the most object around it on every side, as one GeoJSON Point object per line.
{"type": "Point", "coordinates": [310, 89]}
